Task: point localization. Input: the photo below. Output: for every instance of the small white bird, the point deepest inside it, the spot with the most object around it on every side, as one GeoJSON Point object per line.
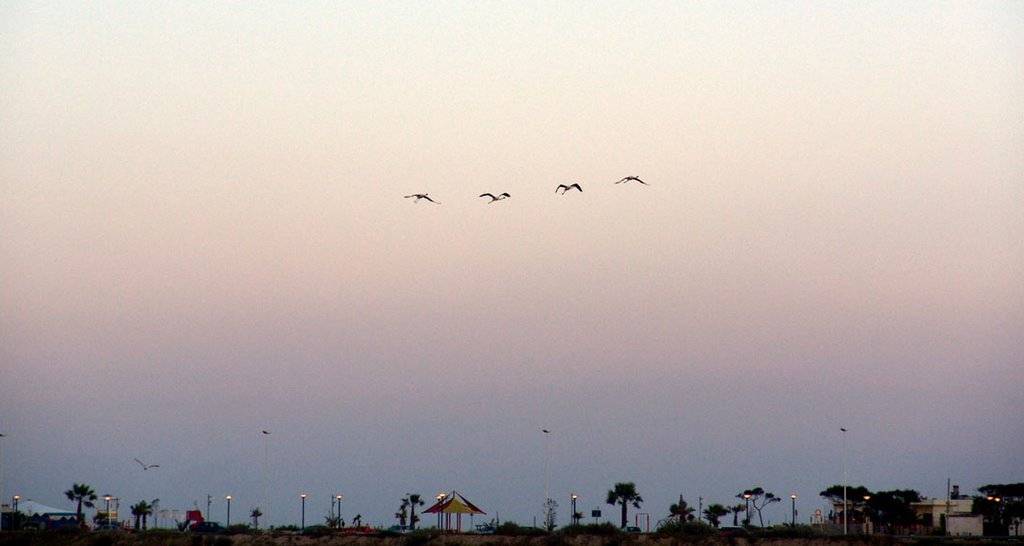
{"type": "Point", "coordinates": [493, 198]}
{"type": "Point", "coordinates": [147, 466]}
{"type": "Point", "coordinates": [628, 178]}
{"type": "Point", "coordinates": [565, 188]}
{"type": "Point", "coordinates": [418, 196]}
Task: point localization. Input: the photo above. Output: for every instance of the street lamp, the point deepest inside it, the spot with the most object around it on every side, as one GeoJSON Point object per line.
{"type": "Point", "coordinates": [846, 517]}
{"type": "Point", "coordinates": [440, 497]}
{"type": "Point", "coordinates": [575, 517]}
{"type": "Point", "coordinates": [106, 515]}
{"type": "Point", "coordinates": [338, 498]}
{"type": "Point", "coordinates": [2, 474]}
{"type": "Point", "coordinates": [303, 497]}
{"type": "Point", "coordinates": [546, 496]}
{"type": "Point", "coordinates": [793, 498]}
{"type": "Point", "coordinates": [998, 512]}
{"type": "Point", "coordinates": [15, 498]}
{"type": "Point", "coordinates": [266, 473]}
{"type": "Point", "coordinates": [865, 511]}
{"type": "Point", "coordinates": [228, 524]}
{"type": "Point", "coordinates": [746, 511]}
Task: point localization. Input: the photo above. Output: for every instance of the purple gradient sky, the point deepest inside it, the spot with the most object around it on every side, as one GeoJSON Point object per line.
{"type": "Point", "coordinates": [204, 236]}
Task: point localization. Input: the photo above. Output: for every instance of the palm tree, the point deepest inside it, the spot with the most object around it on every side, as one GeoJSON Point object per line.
{"type": "Point", "coordinates": [255, 515]}
{"type": "Point", "coordinates": [624, 494]}
{"type": "Point", "coordinates": [414, 499]}
{"type": "Point", "coordinates": [403, 512]}
{"type": "Point", "coordinates": [682, 511]}
{"type": "Point", "coordinates": [735, 510]}
{"type": "Point", "coordinates": [715, 513]}
{"type": "Point", "coordinates": [140, 511]}
{"type": "Point", "coordinates": [83, 495]}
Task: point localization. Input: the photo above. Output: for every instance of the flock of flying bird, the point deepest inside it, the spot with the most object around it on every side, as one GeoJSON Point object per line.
{"type": "Point", "coordinates": [561, 188]}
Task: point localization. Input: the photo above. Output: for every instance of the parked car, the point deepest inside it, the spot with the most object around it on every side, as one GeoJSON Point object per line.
{"type": "Point", "coordinates": [733, 532]}
{"type": "Point", "coordinates": [208, 527]}
{"type": "Point", "coordinates": [632, 529]}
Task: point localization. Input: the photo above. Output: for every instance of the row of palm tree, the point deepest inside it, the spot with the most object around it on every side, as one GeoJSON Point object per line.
{"type": "Point", "coordinates": [85, 496]}
{"type": "Point", "coordinates": [625, 494]}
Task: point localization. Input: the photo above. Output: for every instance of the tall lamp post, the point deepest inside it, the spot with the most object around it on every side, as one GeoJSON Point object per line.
{"type": "Point", "coordinates": [846, 517]}
{"type": "Point", "coordinates": [546, 496]}
{"type": "Point", "coordinates": [266, 473]}
{"type": "Point", "coordinates": [793, 498]}
{"type": "Point", "coordinates": [228, 524]}
{"type": "Point", "coordinates": [864, 513]}
{"type": "Point", "coordinates": [2, 475]}
{"type": "Point", "coordinates": [15, 498]}
{"type": "Point", "coordinates": [575, 517]}
{"type": "Point", "coordinates": [303, 497]}
{"type": "Point", "coordinates": [338, 498]}
{"type": "Point", "coordinates": [440, 497]}
{"type": "Point", "coordinates": [106, 513]}
{"type": "Point", "coordinates": [746, 510]}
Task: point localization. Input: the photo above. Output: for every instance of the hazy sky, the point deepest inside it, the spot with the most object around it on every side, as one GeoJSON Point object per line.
{"type": "Point", "coordinates": [203, 235]}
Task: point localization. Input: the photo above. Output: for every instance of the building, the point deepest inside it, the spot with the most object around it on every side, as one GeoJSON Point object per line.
{"type": "Point", "coordinates": [953, 514]}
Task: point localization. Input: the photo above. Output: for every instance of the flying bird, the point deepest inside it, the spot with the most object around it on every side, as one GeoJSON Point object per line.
{"type": "Point", "coordinates": [147, 466]}
{"type": "Point", "coordinates": [565, 188]}
{"type": "Point", "coordinates": [418, 196]}
{"type": "Point", "coordinates": [628, 178]}
{"type": "Point", "coordinates": [493, 198]}
{"type": "Point", "coordinates": [265, 432]}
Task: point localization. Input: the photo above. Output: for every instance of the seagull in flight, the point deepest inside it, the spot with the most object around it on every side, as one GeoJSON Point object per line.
{"type": "Point", "coordinates": [493, 198]}
{"type": "Point", "coordinates": [265, 432]}
{"type": "Point", "coordinates": [147, 466]}
{"type": "Point", "coordinates": [565, 188]}
{"type": "Point", "coordinates": [628, 178]}
{"type": "Point", "coordinates": [418, 196]}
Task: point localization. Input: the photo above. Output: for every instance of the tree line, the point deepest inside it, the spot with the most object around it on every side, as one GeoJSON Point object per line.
{"type": "Point", "coordinates": [891, 510]}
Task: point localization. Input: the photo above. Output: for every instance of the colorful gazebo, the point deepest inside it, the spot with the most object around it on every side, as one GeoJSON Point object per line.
{"type": "Point", "coordinates": [453, 503]}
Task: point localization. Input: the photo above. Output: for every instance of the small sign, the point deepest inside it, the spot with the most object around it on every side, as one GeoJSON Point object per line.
{"type": "Point", "coordinates": [595, 513]}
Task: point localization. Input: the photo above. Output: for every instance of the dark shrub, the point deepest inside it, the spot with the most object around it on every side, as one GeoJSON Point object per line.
{"type": "Point", "coordinates": [689, 528]}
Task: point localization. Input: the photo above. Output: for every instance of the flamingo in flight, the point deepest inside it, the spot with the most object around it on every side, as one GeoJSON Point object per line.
{"type": "Point", "coordinates": [493, 198]}
{"type": "Point", "coordinates": [628, 178]}
{"type": "Point", "coordinates": [565, 188]}
{"type": "Point", "coordinates": [418, 196]}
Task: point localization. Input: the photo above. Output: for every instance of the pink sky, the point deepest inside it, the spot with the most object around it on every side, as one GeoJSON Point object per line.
{"type": "Point", "coordinates": [205, 236]}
